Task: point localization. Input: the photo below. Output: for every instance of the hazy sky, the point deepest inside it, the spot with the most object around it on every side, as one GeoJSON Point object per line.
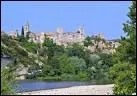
{"type": "Point", "coordinates": [43, 16]}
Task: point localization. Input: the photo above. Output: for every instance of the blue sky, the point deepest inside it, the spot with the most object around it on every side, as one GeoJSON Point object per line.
{"type": "Point", "coordinates": [106, 17]}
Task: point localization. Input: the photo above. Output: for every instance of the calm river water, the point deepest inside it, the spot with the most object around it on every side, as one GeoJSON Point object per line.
{"type": "Point", "coordinates": [33, 85]}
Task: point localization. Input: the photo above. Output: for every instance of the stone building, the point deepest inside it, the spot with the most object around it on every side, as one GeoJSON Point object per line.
{"type": "Point", "coordinates": [64, 38]}
{"type": "Point", "coordinates": [13, 34]}
{"type": "Point", "coordinates": [59, 36]}
{"type": "Point", "coordinates": [26, 29]}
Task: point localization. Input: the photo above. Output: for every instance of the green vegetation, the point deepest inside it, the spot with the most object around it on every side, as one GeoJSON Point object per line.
{"type": "Point", "coordinates": [49, 61]}
{"type": "Point", "coordinates": [7, 79]}
{"type": "Point", "coordinates": [73, 63]}
{"type": "Point", "coordinates": [124, 69]}
{"type": "Point", "coordinates": [88, 41]}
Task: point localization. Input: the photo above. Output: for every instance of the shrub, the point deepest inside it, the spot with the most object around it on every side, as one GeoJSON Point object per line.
{"type": "Point", "coordinates": [124, 78]}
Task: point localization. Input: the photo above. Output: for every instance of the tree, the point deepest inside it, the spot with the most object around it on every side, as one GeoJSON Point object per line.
{"type": "Point", "coordinates": [7, 80]}
{"type": "Point", "coordinates": [125, 58]}
{"type": "Point", "coordinates": [130, 29]}
{"type": "Point", "coordinates": [65, 65]}
{"type": "Point", "coordinates": [54, 63]}
{"type": "Point", "coordinates": [17, 34]}
{"type": "Point", "coordinates": [88, 41]}
{"type": "Point", "coordinates": [76, 50]}
{"type": "Point", "coordinates": [27, 35]}
{"type": "Point", "coordinates": [93, 59]}
{"type": "Point", "coordinates": [22, 31]}
{"type": "Point", "coordinates": [78, 63]}
{"type": "Point", "coordinates": [48, 42]}
{"type": "Point", "coordinates": [50, 47]}
{"type": "Point", "coordinates": [124, 75]}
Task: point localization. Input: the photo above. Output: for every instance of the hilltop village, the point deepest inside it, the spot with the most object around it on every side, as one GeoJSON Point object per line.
{"type": "Point", "coordinates": [98, 42]}
{"type": "Point", "coordinates": [67, 38]}
{"type": "Point", "coordinates": [59, 36]}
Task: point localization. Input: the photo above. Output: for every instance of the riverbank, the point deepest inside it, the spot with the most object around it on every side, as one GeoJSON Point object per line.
{"type": "Point", "coordinates": [76, 90]}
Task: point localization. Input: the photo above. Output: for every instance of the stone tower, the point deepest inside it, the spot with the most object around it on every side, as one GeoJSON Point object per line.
{"type": "Point", "coordinates": [60, 30]}
{"type": "Point", "coordinates": [26, 29]}
{"type": "Point", "coordinates": [81, 33]}
{"type": "Point", "coordinates": [81, 30]}
{"type": "Point", "coordinates": [101, 35]}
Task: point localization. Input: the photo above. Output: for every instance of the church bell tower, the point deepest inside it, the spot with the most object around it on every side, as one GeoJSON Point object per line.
{"type": "Point", "coordinates": [26, 29]}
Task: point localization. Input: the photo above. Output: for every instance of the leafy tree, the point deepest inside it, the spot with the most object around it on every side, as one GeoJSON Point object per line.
{"type": "Point", "coordinates": [54, 63]}
{"type": "Point", "coordinates": [99, 65]}
{"type": "Point", "coordinates": [76, 50]}
{"type": "Point", "coordinates": [27, 35]}
{"type": "Point", "coordinates": [43, 51]}
{"type": "Point", "coordinates": [126, 52]}
{"type": "Point", "coordinates": [48, 42]}
{"type": "Point", "coordinates": [50, 47]}
{"type": "Point", "coordinates": [17, 34]}
{"type": "Point", "coordinates": [88, 41]}
{"type": "Point", "coordinates": [65, 66]}
{"type": "Point", "coordinates": [83, 75]}
{"type": "Point", "coordinates": [107, 59]}
{"type": "Point", "coordinates": [7, 81]}
{"type": "Point", "coordinates": [124, 75]}
{"type": "Point", "coordinates": [78, 63]}
{"type": "Point", "coordinates": [94, 58]}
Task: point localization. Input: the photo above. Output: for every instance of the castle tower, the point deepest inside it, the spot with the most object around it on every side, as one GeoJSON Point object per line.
{"type": "Point", "coordinates": [80, 34]}
{"type": "Point", "coordinates": [60, 30]}
{"type": "Point", "coordinates": [101, 35]}
{"type": "Point", "coordinates": [26, 29]}
{"type": "Point", "coordinates": [81, 30]}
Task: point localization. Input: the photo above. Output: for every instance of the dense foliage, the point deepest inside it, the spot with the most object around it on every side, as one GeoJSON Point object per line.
{"type": "Point", "coordinates": [49, 61]}
{"type": "Point", "coordinates": [124, 70]}
{"type": "Point", "coordinates": [7, 81]}
{"type": "Point", "coordinates": [73, 63]}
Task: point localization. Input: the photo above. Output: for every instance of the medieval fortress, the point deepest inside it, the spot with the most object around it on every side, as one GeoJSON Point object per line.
{"type": "Point", "coordinates": [59, 36]}
{"type": "Point", "coordinates": [66, 38]}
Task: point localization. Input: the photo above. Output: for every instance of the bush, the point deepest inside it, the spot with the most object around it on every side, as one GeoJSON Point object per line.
{"type": "Point", "coordinates": [50, 78]}
{"type": "Point", "coordinates": [82, 76]}
{"type": "Point", "coordinates": [68, 77]}
{"type": "Point", "coordinates": [124, 77]}
{"type": "Point", "coordinates": [7, 80]}
{"type": "Point", "coordinates": [79, 64]}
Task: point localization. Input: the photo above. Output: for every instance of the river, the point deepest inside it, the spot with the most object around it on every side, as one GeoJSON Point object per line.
{"type": "Point", "coordinates": [34, 85]}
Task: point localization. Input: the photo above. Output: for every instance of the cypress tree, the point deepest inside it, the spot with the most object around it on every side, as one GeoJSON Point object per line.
{"type": "Point", "coordinates": [22, 31]}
